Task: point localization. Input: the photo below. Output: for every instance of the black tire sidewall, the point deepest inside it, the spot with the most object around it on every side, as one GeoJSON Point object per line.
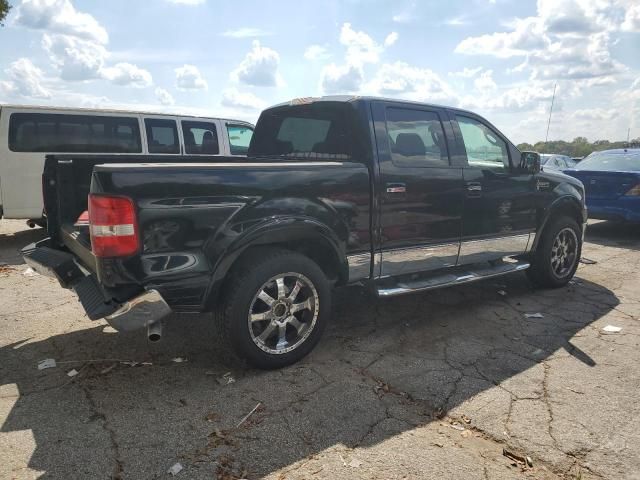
{"type": "Point", "coordinates": [542, 273]}
{"type": "Point", "coordinates": [239, 302]}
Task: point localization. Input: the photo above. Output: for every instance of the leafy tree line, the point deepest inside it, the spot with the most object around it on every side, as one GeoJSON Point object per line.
{"type": "Point", "coordinates": [4, 10]}
{"type": "Point", "coordinates": [579, 147]}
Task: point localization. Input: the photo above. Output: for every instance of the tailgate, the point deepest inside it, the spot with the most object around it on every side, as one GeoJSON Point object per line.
{"type": "Point", "coordinates": [605, 185]}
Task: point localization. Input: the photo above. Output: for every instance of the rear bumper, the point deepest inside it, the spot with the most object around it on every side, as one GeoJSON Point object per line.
{"type": "Point", "coordinates": [139, 310]}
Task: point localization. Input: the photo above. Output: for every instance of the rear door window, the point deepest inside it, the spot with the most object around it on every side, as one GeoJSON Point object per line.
{"type": "Point", "coordinates": [200, 138]}
{"type": "Point", "coordinates": [55, 133]}
{"type": "Point", "coordinates": [239, 138]}
{"type": "Point", "coordinates": [162, 135]}
{"type": "Point", "coordinates": [416, 138]}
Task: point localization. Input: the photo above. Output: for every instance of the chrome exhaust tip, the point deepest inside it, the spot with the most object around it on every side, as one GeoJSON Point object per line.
{"type": "Point", "coordinates": [154, 332]}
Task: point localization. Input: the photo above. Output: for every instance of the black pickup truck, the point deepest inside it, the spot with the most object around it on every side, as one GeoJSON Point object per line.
{"type": "Point", "coordinates": [398, 196]}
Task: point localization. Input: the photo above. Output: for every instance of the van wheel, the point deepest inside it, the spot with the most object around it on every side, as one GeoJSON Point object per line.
{"type": "Point", "coordinates": [556, 258]}
{"type": "Point", "coordinates": [276, 308]}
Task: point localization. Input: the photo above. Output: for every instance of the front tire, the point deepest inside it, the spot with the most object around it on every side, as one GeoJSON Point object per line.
{"type": "Point", "coordinates": [275, 308]}
{"type": "Point", "coordinates": [556, 257]}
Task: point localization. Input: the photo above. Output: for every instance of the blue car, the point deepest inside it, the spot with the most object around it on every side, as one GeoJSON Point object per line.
{"type": "Point", "coordinates": [611, 180]}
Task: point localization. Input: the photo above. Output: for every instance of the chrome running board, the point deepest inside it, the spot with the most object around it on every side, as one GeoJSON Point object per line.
{"type": "Point", "coordinates": [389, 287]}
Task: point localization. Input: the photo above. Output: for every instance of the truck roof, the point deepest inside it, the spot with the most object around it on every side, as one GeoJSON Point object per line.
{"type": "Point", "coordinates": [360, 98]}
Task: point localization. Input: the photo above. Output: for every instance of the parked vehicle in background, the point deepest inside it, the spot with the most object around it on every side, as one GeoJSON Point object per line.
{"type": "Point", "coordinates": [611, 180]}
{"type": "Point", "coordinates": [576, 160]}
{"type": "Point", "coordinates": [399, 196]}
{"type": "Point", "coordinates": [27, 134]}
{"type": "Point", "coordinates": [552, 161]}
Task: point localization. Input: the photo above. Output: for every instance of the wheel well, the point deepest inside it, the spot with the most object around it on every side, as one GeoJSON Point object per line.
{"type": "Point", "coordinates": [318, 250]}
{"type": "Point", "coordinates": [567, 209]}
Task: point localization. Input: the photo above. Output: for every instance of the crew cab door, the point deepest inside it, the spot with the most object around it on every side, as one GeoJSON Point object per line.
{"type": "Point", "coordinates": [500, 197]}
{"type": "Point", "coordinates": [420, 193]}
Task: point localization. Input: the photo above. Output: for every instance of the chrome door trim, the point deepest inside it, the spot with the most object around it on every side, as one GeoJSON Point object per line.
{"type": "Point", "coordinates": [486, 249]}
{"type": "Point", "coordinates": [359, 266]}
{"type": "Point", "coordinates": [402, 261]}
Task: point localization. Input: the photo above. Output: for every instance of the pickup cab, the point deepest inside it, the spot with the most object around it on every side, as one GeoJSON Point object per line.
{"type": "Point", "coordinates": [397, 196]}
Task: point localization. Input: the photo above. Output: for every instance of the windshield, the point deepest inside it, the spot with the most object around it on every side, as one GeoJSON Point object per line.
{"type": "Point", "coordinates": [627, 161]}
{"type": "Point", "coordinates": [544, 158]}
{"type": "Point", "coordinates": [315, 131]}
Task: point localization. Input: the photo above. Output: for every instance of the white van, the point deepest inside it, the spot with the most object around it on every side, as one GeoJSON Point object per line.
{"type": "Point", "coordinates": [27, 134]}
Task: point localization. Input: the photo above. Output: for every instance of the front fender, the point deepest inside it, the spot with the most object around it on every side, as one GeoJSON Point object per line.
{"type": "Point", "coordinates": [280, 230]}
{"type": "Point", "coordinates": [570, 202]}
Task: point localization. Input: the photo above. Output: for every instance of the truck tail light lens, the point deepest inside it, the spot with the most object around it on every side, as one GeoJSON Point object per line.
{"type": "Point", "coordinates": [634, 192]}
{"type": "Point", "coordinates": [113, 226]}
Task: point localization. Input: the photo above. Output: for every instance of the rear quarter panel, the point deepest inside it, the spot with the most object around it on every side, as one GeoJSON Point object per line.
{"type": "Point", "coordinates": [192, 216]}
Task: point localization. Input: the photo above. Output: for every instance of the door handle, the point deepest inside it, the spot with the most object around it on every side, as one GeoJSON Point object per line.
{"type": "Point", "coordinates": [474, 189]}
{"type": "Point", "coordinates": [396, 188]}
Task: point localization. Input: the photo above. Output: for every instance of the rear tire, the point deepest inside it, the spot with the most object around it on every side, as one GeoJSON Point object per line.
{"type": "Point", "coordinates": [557, 255]}
{"type": "Point", "coordinates": [275, 308]}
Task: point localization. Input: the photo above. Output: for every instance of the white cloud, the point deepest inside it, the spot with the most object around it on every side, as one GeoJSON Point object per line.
{"type": "Point", "coordinates": [341, 79]}
{"type": "Point", "coordinates": [233, 98]}
{"type": "Point", "coordinates": [75, 58]}
{"type": "Point", "coordinates": [188, 77]}
{"type": "Point", "coordinates": [127, 74]}
{"type": "Point", "coordinates": [246, 32]}
{"type": "Point", "coordinates": [485, 81]}
{"type": "Point", "coordinates": [164, 97]}
{"type": "Point", "coordinates": [458, 21]}
{"type": "Point", "coordinates": [259, 67]}
{"type": "Point", "coordinates": [632, 19]}
{"type": "Point", "coordinates": [406, 15]}
{"type": "Point", "coordinates": [391, 39]}
{"type": "Point", "coordinates": [188, 2]}
{"type": "Point", "coordinates": [413, 83]}
{"type": "Point", "coordinates": [597, 114]}
{"type": "Point", "coordinates": [569, 39]}
{"type": "Point", "coordinates": [361, 48]}
{"type": "Point", "coordinates": [316, 52]}
{"type": "Point", "coordinates": [466, 72]}
{"type": "Point", "coordinates": [60, 16]}
{"type": "Point", "coordinates": [26, 79]}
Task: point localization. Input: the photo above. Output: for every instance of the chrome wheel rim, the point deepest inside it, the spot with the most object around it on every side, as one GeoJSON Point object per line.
{"type": "Point", "coordinates": [564, 252]}
{"type": "Point", "coordinates": [283, 313]}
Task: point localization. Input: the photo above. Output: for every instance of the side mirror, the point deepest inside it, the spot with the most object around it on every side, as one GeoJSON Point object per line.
{"type": "Point", "coordinates": [530, 162]}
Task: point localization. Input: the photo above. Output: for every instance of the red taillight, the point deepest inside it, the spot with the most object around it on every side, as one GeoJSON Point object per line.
{"type": "Point", "coordinates": [113, 226]}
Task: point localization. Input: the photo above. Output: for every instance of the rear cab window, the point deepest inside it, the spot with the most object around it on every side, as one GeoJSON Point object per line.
{"type": "Point", "coordinates": [319, 130]}
{"type": "Point", "coordinates": [239, 138]}
{"type": "Point", "coordinates": [200, 138]}
{"type": "Point", "coordinates": [162, 136]}
{"type": "Point", "coordinates": [62, 133]}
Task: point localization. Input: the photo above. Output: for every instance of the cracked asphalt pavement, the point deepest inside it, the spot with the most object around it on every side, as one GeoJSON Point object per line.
{"type": "Point", "coordinates": [432, 385]}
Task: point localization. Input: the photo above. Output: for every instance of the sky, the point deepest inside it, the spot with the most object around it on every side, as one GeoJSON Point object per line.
{"type": "Point", "coordinates": [499, 58]}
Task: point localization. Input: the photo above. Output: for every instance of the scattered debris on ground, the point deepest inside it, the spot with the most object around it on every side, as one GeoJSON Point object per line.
{"type": "Point", "coordinates": [72, 373]}
{"type": "Point", "coordinates": [534, 315]}
{"type": "Point", "coordinates": [179, 360]}
{"type": "Point", "coordinates": [249, 414]}
{"type": "Point", "coordinates": [587, 261]}
{"type": "Point", "coordinates": [226, 379]}
{"type": "Point", "coordinates": [612, 329]}
{"type": "Point", "coordinates": [175, 469]}
{"type": "Point", "coordinates": [46, 363]}
{"type": "Point", "coordinates": [30, 272]}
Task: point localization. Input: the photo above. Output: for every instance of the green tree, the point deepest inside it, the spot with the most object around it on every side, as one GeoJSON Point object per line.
{"type": "Point", "coordinates": [4, 10]}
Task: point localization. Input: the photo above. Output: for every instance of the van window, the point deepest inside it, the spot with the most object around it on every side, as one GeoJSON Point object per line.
{"type": "Point", "coordinates": [200, 138]}
{"type": "Point", "coordinates": [416, 138]}
{"type": "Point", "coordinates": [239, 138]}
{"type": "Point", "coordinates": [52, 132]}
{"type": "Point", "coordinates": [162, 135]}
